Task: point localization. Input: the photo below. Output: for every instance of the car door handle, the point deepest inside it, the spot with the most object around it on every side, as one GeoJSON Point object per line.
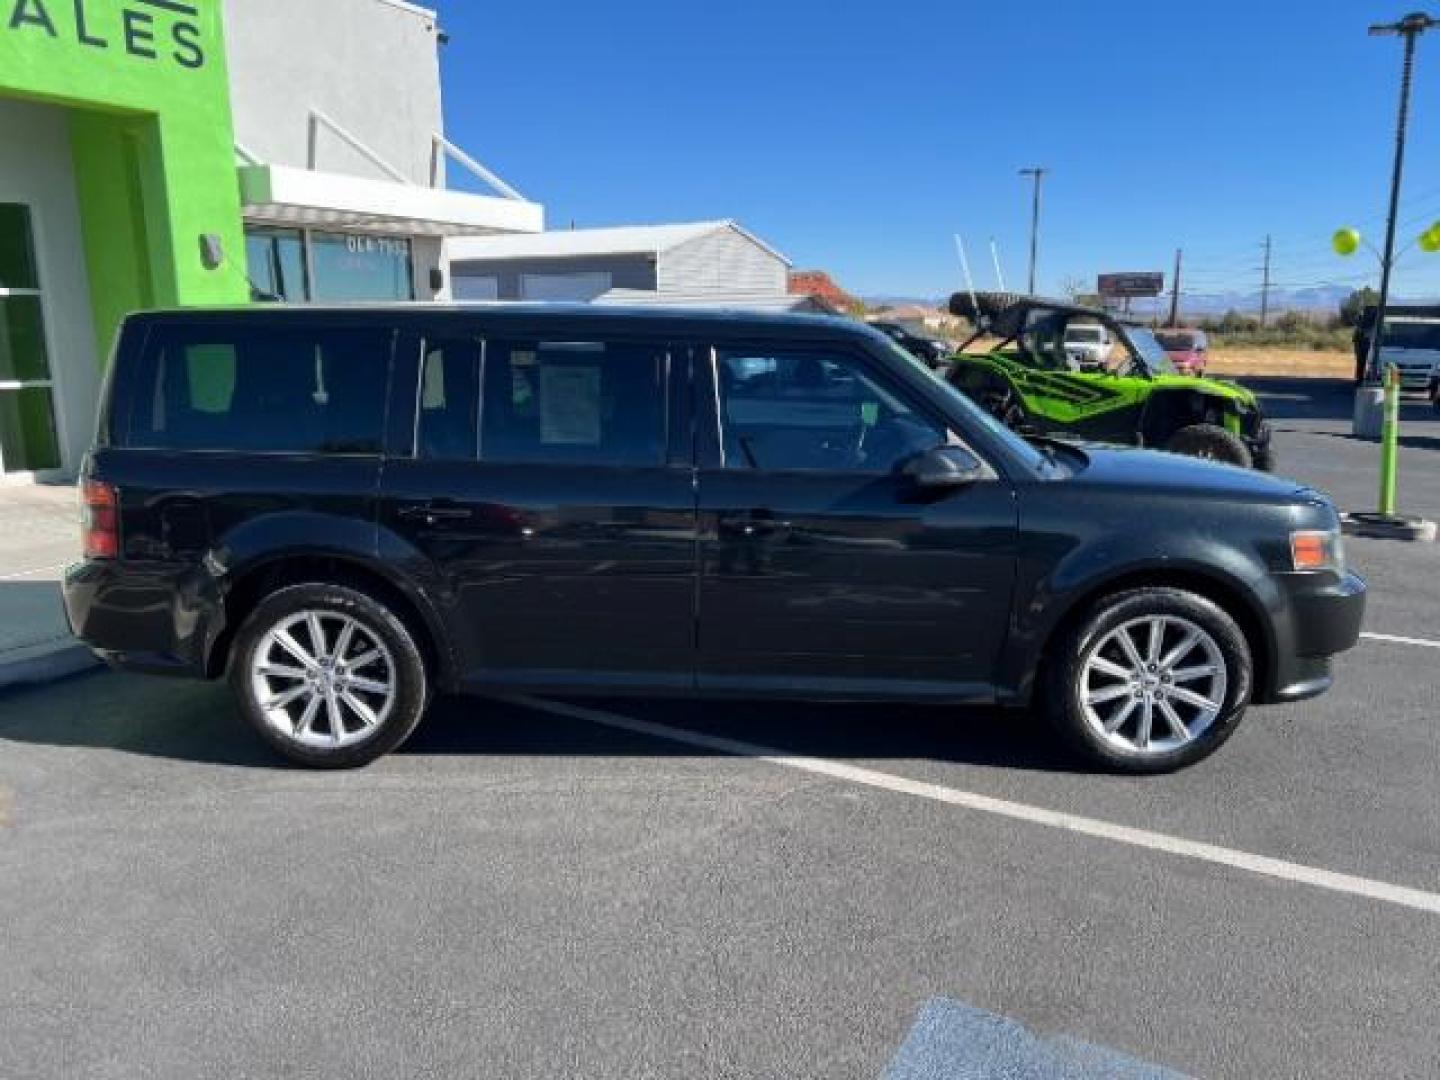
{"type": "Point", "coordinates": [745, 526]}
{"type": "Point", "coordinates": [431, 514]}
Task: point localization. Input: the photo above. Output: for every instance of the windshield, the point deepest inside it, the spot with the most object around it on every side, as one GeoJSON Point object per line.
{"type": "Point", "coordinates": [1411, 335]}
{"type": "Point", "coordinates": [973, 413]}
{"type": "Point", "coordinates": [1180, 340]}
{"type": "Point", "coordinates": [1153, 355]}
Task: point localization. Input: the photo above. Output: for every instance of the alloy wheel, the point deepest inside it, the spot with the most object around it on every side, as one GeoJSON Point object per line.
{"type": "Point", "coordinates": [1154, 684]}
{"type": "Point", "coordinates": [323, 680]}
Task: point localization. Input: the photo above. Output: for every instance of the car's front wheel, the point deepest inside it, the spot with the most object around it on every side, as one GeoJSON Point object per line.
{"type": "Point", "coordinates": [1149, 680]}
{"type": "Point", "coordinates": [328, 676]}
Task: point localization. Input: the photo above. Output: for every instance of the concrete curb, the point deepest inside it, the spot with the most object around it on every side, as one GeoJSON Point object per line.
{"type": "Point", "coordinates": [1380, 527]}
{"type": "Point", "coordinates": [46, 663]}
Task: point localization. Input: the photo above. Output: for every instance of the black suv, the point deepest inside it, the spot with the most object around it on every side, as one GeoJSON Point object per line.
{"type": "Point", "coordinates": [349, 510]}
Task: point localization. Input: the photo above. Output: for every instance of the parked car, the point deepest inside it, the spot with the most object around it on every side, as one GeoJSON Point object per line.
{"type": "Point", "coordinates": [1087, 344]}
{"type": "Point", "coordinates": [929, 350]}
{"type": "Point", "coordinates": [347, 511]}
{"type": "Point", "coordinates": [1188, 349]}
{"type": "Point", "coordinates": [1031, 382]}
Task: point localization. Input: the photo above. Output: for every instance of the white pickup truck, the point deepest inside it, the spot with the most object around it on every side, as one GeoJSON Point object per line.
{"type": "Point", "coordinates": [1087, 344]}
{"type": "Point", "coordinates": [1412, 344]}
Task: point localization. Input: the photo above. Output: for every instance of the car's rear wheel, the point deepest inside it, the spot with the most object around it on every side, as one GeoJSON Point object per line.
{"type": "Point", "coordinates": [328, 676]}
{"type": "Point", "coordinates": [1149, 680]}
{"type": "Point", "coordinates": [1211, 442]}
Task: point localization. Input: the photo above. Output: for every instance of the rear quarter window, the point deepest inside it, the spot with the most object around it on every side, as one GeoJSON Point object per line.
{"type": "Point", "coordinates": [257, 389]}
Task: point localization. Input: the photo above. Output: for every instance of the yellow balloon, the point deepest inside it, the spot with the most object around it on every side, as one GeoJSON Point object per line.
{"type": "Point", "coordinates": [1430, 240]}
{"type": "Point", "coordinates": [1345, 241]}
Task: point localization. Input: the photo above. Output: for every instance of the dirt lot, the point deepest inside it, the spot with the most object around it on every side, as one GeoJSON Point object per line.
{"type": "Point", "coordinates": [1281, 362]}
{"type": "Point", "coordinates": [1259, 361]}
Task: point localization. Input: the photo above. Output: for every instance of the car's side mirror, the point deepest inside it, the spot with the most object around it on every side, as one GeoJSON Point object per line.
{"type": "Point", "coordinates": [944, 467]}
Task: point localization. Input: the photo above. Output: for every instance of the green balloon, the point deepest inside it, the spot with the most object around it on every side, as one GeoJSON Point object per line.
{"type": "Point", "coordinates": [1430, 239]}
{"type": "Point", "coordinates": [1345, 241]}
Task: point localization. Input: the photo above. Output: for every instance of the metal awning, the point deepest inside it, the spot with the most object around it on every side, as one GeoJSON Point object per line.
{"type": "Point", "coordinates": [283, 195]}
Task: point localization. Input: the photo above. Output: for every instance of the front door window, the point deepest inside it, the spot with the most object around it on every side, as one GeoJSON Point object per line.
{"type": "Point", "coordinates": [27, 415]}
{"type": "Point", "coordinates": [804, 410]}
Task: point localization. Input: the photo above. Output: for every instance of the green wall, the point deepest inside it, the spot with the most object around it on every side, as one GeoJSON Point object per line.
{"type": "Point", "coordinates": [152, 139]}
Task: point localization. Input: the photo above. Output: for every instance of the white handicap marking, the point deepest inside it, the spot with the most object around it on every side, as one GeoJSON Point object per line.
{"type": "Point", "coordinates": [953, 1041]}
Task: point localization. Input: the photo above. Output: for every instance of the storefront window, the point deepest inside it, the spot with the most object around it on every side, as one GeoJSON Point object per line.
{"type": "Point", "coordinates": [17, 259]}
{"type": "Point", "coordinates": [347, 266]}
{"type": "Point", "coordinates": [277, 264]}
{"type": "Point", "coordinates": [343, 266]}
{"type": "Point", "coordinates": [27, 414]}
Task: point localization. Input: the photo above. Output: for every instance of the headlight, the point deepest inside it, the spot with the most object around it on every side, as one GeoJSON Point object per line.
{"type": "Point", "coordinates": [1316, 549]}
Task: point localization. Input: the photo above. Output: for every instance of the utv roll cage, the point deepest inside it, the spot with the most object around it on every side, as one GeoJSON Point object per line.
{"type": "Point", "coordinates": [1007, 316]}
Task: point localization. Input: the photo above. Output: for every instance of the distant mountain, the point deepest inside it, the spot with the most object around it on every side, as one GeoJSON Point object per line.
{"type": "Point", "coordinates": [1321, 298]}
{"type": "Point", "coordinates": [905, 301]}
{"type": "Point", "coordinates": [1325, 298]}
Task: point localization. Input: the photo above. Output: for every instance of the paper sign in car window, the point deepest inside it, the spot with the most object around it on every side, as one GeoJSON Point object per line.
{"type": "Point", "coordinates": [569, 405]}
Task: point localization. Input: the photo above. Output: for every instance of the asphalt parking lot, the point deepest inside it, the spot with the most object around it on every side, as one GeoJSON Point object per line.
{"type": "Point", "coordinates": [624, 889]}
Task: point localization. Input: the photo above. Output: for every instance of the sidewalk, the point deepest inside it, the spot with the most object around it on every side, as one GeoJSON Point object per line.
{"type": "Point", "coordinates": [39, 536]}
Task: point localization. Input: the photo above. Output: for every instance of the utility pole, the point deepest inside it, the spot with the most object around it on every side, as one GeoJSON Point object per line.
{"type": "Point", "coordinates": [1265, 286]}
{"type": "Point", "coordinates": [1038, 173]}
{"type": "Point", "coordinates": [1410, 27]}
{"type": "Point", "coordinates": [1175, 292]}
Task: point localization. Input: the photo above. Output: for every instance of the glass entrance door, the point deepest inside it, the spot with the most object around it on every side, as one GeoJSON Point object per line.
{"type": "Point", "coordinates": [27, 412]}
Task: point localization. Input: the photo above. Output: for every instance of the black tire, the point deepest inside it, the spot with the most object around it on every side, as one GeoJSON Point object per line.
{"type": "Point", "coordinates": [404, 664]}
{"type": "Point", "coordinates": [1212, 442]}
{"type": "Point", "coordinates": [986, 306]}
{"type": "Point", "coordinates": [1062, 681]}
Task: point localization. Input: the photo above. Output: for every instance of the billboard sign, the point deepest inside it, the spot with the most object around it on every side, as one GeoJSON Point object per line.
{"type": "Point", "coordinates": [1125, 285]}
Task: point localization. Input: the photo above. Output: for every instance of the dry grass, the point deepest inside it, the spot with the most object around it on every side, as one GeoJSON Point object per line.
{"type": "Point", "coordinates": [1260, 360]}
{"type": "Point", "coordinates": [1281, 361]}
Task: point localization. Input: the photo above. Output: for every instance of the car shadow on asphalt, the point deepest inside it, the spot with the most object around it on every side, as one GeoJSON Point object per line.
{"type": "Point", "coordinates": [969, 735]}
{"type": "Point", "coordinates": [196, 722]}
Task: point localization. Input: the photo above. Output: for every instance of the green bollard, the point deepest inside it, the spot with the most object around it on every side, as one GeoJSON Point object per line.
{"type": "Point", "coordinates": [1389, 439]}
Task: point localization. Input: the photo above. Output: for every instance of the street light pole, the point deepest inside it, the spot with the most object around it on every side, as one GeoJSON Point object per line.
{"type": "Point", "coordinates": [1038, 173]}
{"type": "Point", "coordinates": [1410, 27]}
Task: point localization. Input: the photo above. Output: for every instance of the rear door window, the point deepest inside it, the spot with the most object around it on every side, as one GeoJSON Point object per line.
{"type": "Point", "coordinates": [583, 402]}
{"type": "Point", "coordinates": [447, 426]}
{"type": "Point", "coordinates": [259, 389]}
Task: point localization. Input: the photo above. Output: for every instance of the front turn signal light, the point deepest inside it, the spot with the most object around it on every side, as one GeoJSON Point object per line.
{"type": "Point", "coordinates": [1316, 550]}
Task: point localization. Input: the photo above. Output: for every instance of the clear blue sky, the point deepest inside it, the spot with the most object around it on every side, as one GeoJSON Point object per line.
{"type": "Point", "coordinates": [858, 137]}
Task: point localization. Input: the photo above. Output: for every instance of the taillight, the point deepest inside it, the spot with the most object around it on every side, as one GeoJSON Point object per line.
{"type": "Point", "coordinates": [99, 520]}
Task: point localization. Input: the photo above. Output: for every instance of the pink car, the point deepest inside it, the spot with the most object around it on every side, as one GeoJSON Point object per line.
{"type": "Point", "coordinates": [1187, 349]}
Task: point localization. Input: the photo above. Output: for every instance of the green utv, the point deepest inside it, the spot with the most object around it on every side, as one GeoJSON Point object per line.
{"type": "Point", "coordinates": [1119, 389]}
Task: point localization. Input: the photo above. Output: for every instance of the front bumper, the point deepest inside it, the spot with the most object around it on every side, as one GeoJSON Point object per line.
{"type": "Point", "coordinates": [1323, 616]}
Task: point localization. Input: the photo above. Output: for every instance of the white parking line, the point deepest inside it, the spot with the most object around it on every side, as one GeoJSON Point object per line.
{"type": "Point", "coordinates": [1396, 639]}
{"type": "Point", "coordinates": [1034, 815]}
{"type": "Point", "coordinates": [39, 571]}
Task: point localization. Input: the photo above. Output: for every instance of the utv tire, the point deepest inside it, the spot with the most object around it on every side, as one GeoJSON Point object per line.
{"type": "Point", "coordinates": [983, 306]}
{"type": "Point", "coordinates": [1212, 442]}
{"type": "Point", "coordinates": [329, 676]}
{"type": "Point", "coordinates": [1159, 684]}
